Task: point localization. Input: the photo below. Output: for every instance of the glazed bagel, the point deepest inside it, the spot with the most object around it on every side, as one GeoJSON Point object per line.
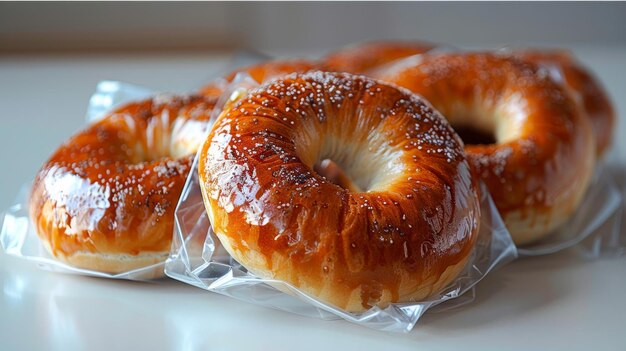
{"type": "Point", "coordinates": [260, 72]}
{"type": "Point", "coordinates": [403, 232]}
{"type": "Point", "coordinates": [587, 89]}
{"type": "Point", "coordinates": [365, 57]}
{"type": "Point", "coordinates": [540, 162]}
{"type": "Point", "coordinates": [105, 199]}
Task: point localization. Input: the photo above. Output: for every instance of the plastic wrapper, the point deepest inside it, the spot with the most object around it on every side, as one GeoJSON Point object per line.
{"type": "Point", "coordinates": [598, 216]}
{"type": "Point", "coordinates": [609, 239]}
{"type": "Point", "coordinates": [17, 233]}
{"type": "Point", "coordinates": [197, 258]}
{"type": "Point", "coordinates": [597, 224]}
{"type": "Point", "coordinates": [110, 94]}
{"type": "Point", "coordinates": [18, 236]}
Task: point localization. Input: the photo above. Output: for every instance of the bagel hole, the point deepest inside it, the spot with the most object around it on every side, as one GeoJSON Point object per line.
{"type": "Point", "coordinates": [474, 136]}
{"type": "Point", "coordinates": [330, 170]}
{"type": "Point", "coordinates": [354, 164]}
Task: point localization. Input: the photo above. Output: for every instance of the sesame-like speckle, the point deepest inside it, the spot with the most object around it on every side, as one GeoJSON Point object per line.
{"type": "Point", "coordinates": [263, 170]}
{"type": "Point", "coordinates": [120, 178]}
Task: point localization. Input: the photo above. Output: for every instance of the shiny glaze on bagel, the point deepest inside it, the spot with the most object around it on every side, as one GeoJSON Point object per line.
{"type": "Point", "coordinates": [543, 158]}
{"type": "Point", "coordinates": [105, 199]}
{"type": "Point", "coordinates": [587, 89]}
{"type": "Point", "coordinates": [402, 233]}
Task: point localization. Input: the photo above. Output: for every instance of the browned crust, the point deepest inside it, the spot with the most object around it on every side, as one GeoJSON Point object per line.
{"type": "Point", "coordinates": [593, 97]}
{"type": "Point", "coordinates": [403, 239]}
{"type": "Point", "coordinates": [105, 199]}
{"type": "Point", "coordinates": [543, 161]}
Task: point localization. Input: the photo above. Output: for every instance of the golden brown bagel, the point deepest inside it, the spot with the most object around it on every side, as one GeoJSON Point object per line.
{"type": "Point", "coordinates": [540, 164]}
{"type": "Point", "coordinates": [588, 89]}
{"type": "Point", "coordinates": [260, 72]}
{"type": "Point", "coordinates": [362, 58]}
{"type": "Point", "coordinates": [402, 234]}
{"type": "Point", "coordinates": [105, 199]}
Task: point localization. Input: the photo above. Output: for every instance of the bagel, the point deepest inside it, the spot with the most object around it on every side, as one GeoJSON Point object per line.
{"type": "Point", "coordinates": [402, 229]}
{"type": "Point", "coordinates": [539, 154]}
{"type": "Point", "coordinates": [365, 57]}
{"type": "Point", "coordinates": [105, 199]}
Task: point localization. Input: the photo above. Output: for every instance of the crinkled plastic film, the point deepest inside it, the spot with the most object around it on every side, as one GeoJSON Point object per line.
{"type": "Point", "coordinates": [599, 213]}
{"type": "Point", "coordinates": [18, 236]}
{"type": "Point", "coordinates": [197, 258]}
{"type": "Point", "coordinates": [609, 236]}
{"type": "Point", "coordinates": [110, 94]}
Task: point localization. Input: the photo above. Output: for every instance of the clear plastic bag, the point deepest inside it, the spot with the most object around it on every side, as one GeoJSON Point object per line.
{"type": "Point", "coordinates": [110, 94]}
{"type": "Point", "coordinates": [609, 239]}
{"type": "Point", "coordinates": [599, 213]}
{"type": "Point", "coordinates": [18, 238]}
{"type": "Point", "coordinates": [197, 258]}
{"type": "Point", "coordinates": [17, 232]}
{"type": "Point", "coordinates": [596, 226]}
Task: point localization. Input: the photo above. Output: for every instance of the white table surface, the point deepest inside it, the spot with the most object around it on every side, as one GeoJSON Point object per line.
{"type": "Point", "coordinates": [562, 301]}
